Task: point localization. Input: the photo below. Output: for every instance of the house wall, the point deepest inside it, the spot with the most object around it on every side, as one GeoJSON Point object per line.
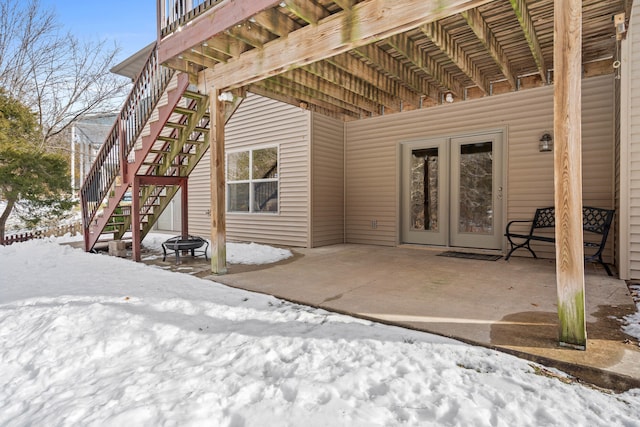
{"type": "Point", "coordinates": [630, 151]}
{"type": "Point", "coordinates": [327, 181]}
{"type": "Point", "coordinates": [372, 155]}
{"type": "Point", "coordinates": [261, 122]}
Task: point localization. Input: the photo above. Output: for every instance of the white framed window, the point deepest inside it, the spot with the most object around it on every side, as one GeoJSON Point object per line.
{"type": "Point", "coordinates": [252, 180]}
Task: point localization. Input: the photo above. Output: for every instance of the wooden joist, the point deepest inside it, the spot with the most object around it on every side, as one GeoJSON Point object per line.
{"type": "Point", "coordinates": [481, 29]}
{"type": "Point", "coordinates": [390, 89]}
{"type": "Point", "coordinates": [524, 18]}
{"type": "Point", "coordinates": [309, 11]}
{"type": "Point", "coordinates": [407, 47]}
{"type": "Point", "coordinates": [397, 70]}
{"type": "Point", "coordinates": [439, 35]}
{"type": "Point", "coordinates": [335, 34]}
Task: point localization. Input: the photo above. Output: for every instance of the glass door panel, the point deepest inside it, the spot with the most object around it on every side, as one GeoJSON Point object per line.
{"type": "Point", "coordinates": [424, 184]}
{"type": "Point", "coordinates": [475, 203]}
{"type": "Point", "coordinates": [476, 197]}
{"type": "Point", "coordinates": [424, 189]}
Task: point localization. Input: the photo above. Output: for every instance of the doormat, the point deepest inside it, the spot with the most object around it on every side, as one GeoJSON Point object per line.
{"type": "Point", "coordinates": [468, 255]}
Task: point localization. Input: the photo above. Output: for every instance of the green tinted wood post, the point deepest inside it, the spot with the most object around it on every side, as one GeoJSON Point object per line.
{"type": "Point", "coordinates": [218, 186]}
{"type": "Point", "coordinates": [567, 120]}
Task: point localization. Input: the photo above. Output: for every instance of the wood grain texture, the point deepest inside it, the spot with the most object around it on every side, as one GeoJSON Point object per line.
{"type": "Point", "coordinates": [218, 218]}
{"type": "Point", "coordinates": [363, 24]}
{"type": "Point", "coordinates": [568, 172]}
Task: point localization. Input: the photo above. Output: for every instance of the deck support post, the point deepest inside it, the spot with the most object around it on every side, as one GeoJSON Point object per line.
{"type": "Point", "coordinates": [568, 172]}
{"type": "Point", "coordinates": [218, 185]}
{"type": "Point", "coordinates": [135, 219]}
{"type": "Point", "coordinates": [184, 206]}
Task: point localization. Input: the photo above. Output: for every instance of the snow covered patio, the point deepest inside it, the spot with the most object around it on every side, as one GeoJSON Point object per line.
{"type": "Point", "coordinates": [506, 305]}
{"type": "Point", "coordinates": [145, 346]}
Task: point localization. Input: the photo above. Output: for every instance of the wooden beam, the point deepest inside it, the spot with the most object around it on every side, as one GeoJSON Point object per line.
{"type": "Point", "coordinates": [307, 10]}
{"type": "Point", "coordinates": [407, 47]}
{"type": "Point", "coordinates": [226, 45]}
{"type": "Point", "coordinates": [211, 23]}
{"type": "Point", "coordinates": [251, 34]}
{"type": "Point", "coordinates": [181, 64]}
{"type": "Point", "coordinates": [526, 23]}
{"type": "Point", "coordinates": [197, 57]}
{"type": "Point", "coordinates": [276, 22]}
{"type": "Point", "coordinates": [345, 4]}
{"type": "Point", "coordinates": [397, 70]}
{"type": "Point", "coordinates": [210, 54]}
{"type": "Point", "coordinates": [567, 123]}
{"type": "Point", "coordinates": [481, 29]}
{"type": "Point", "coordinates": [218, 185]}
{"type": "Point", "coordinates": [367, 22]}
{"type": "Point", "coordinates": [450, 47]}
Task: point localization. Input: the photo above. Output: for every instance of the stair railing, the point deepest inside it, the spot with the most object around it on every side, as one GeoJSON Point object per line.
{"type": "Point", "coordinates": [112, 157]}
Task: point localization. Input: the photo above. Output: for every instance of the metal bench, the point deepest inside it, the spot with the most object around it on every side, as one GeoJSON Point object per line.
{"type": "Point", "coordinates": [185, 243]}
{"type": "Point", "coordinates": [595, 222]}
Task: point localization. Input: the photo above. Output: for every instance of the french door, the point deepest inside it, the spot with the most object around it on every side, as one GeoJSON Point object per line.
{"type": "Point", "coordinates": [452, 191]}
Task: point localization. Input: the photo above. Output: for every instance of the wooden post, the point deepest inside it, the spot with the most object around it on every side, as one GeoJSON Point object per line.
{"type": "Point", "coordinates": [567, 121]}
{"type": "Point", "coordinates": [135, 219]}
{"type": "Point", "coordinates": [184, 206]}
{"type": "Point", "coordinates": [218, 219]}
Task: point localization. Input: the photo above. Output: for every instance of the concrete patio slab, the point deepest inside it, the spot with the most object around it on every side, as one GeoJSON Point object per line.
{"type": "Point", "coordinates": [510, 306]}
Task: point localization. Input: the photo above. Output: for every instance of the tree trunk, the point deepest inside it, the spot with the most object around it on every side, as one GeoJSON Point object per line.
{"type": "Point", "coordinates": [4, 217]}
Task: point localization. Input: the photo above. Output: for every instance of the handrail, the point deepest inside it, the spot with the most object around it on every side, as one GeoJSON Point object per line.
{"type": "Point", "coordinates": [174, 13]}
{"type": "Point", "coordinates": [143, 98]}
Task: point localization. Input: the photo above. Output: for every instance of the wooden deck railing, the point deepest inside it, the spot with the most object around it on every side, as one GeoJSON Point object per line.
{"type": "Point", "coordinates": [112, 157]}
{"type": "Point", "coordinates": [174, 13]}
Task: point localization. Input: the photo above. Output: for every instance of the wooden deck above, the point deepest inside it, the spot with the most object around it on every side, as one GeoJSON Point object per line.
{"type": "Point", "coordinates": [354, 59]}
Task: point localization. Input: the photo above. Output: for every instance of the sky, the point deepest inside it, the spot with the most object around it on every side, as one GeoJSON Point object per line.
{"type": "Point", "coordinates": [93, 340]}
{"type": "Point", "coordinates": [131, 24]}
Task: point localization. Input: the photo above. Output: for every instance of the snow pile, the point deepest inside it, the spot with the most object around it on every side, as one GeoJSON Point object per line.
{"type": "Point", "coordinates": [237, 253]}
{"type": "Point", "coordinates": [632, 322]}
{"type": "Point", "coordinates": [87, 339]}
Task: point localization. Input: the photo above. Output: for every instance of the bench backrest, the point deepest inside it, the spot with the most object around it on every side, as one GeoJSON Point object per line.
{"type": "Point", "coordinates": [594, 220]}
{"type": "Point", "coordinates": [544, 218]}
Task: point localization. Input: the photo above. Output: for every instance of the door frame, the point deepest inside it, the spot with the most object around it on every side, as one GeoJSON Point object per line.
{"type": "Point", "coordinates": [426, 140]}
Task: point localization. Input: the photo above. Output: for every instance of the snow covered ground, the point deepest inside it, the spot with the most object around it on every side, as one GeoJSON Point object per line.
{"type": "Point", "coordinates": [93, 340]}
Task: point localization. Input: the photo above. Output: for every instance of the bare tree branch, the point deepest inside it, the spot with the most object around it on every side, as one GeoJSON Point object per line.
{"type": "Point", "coordinates": [58, 76]}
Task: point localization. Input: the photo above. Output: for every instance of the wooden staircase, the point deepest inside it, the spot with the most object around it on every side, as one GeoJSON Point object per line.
{"type": "Point", "coordinates": [157, 140]}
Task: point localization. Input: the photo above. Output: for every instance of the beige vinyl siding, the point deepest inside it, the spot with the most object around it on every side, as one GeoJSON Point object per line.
{"type": "Point", "coordinates": [633, 135]}
{"type": "Point", "coordinates": [372, 190]}
{"type": "Point", "coordinates": [199, 195]}
{"type": "Point", "coordinates": [261, 122]}
{"type": "Point", "coordinates": [327, 182]}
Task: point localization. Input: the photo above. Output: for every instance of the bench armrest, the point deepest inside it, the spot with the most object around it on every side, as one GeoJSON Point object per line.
{"type": "Point", "coordinates": [507, 232]}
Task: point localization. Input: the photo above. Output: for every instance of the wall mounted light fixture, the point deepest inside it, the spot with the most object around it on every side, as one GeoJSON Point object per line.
{"type": "Point", "coordinates": [225, 97]}
{"type": "Point", "coordinates": [546, 142]}
{"type": "Point", "coordinates": [448, 97]}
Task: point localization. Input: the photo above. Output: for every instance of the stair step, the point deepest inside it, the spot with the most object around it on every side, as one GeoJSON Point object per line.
{"type": "Point", "coordinates": [201, 129]}
{"type": "Point", "coordinates": [167, 138]}
{"type": "Point", "coordinates": [193, 95]}
{"type": "Point", "coordinates": [162, 164]}
{"type": "Point", "coordinates": [183, 110]}
{"type": "Point", "coordinates": [175, 125]}
{"type": "Point", "coordinates": [162, 152]}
